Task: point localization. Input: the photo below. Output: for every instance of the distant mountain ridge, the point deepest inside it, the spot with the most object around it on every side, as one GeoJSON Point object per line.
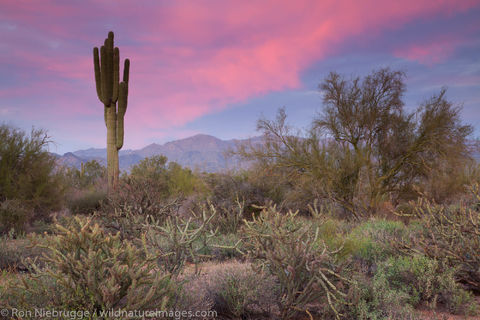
{"type": "Point", "coordinates": [202, 152]}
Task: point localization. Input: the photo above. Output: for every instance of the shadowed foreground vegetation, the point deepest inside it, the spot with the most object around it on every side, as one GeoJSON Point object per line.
{"type": "Point", "coordinates": [372, 213]}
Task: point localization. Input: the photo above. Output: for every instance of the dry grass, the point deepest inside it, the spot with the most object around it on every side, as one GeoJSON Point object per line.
{"type": "Point", "coordinates": [443, 315]}
{"type": "Point", "coordinates": [233, 289]}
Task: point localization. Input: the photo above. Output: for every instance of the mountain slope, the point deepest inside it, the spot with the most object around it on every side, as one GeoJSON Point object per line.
{"type": "Point", "coordinates": [202, 152]}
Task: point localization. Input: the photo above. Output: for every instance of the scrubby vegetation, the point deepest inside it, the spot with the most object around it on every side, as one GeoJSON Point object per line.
{"type": "Point", "coordinates": [373, 213]}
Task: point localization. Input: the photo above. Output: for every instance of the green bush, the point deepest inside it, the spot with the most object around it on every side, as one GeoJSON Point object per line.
{"type": "Point", "coordinates": [14, 215]}
{"type": "Point", "coordinates": [153, 188]}
{"type": "Point", "coordinates": [365, 149]}
{"type": "Point", "coordinates": [402, 284]}
{"type": "Point", "coordinates": [87, 202]}
{"type": "Point", "coordinates": [27, 171]}
{"type": "Point", "coordinates": [171, 179]}
{"type": "Point", "coordinates": [374, 299]}
{"type": "Point", "coordinates": [90, 174]}
{"type": "Point", "coordinates": [425, 281]}
{"type": "Point", "coordinates": [89, 269]}
{"type": "Point", "coordinates": [373, 241]}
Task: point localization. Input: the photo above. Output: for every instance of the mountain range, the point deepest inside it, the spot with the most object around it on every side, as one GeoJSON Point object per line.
{"type": "Point", "coordinates": [200, 152]}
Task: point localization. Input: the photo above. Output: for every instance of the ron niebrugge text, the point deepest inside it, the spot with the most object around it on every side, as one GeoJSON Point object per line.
{"type": "Point", "coordinates": [125, 314]}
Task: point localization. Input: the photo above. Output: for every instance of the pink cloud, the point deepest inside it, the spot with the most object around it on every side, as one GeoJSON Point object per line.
{"type": "Point", "coordinates": [192, 58]}
{"type": "Point", "coordinates": [433, 52]}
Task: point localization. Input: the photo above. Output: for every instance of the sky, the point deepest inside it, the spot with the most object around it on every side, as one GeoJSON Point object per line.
{"type": "Point", "coordinates": [217, 66]}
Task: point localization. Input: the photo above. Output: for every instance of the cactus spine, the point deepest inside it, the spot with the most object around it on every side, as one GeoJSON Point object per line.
{"type": "Point", "coordinates": [109, 91]}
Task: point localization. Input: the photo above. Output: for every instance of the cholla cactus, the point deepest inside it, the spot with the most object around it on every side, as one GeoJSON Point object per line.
{"type": "Point", "coordinates": [450, 234]}
{"type": "Point", "coordinates": [293, 252]}
{"type": "Point", "coordinates": [178, 240]}
{"type": "Point", "coordinates": [109, 91]}
{"type": "Point", "coordinates": [89, 269]}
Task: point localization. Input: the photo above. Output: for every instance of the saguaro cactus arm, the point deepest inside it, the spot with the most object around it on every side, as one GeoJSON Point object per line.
{"type": "Point", "coordinates": [122, 104]}
{"type": "Point", "coordinates": [98, 77]}
{"type": "Point", "coordinates": [116, 72]}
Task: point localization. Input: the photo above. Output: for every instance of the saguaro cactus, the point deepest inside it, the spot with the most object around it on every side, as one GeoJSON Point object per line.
{"type": "Point", "coordinates": [109, 91]}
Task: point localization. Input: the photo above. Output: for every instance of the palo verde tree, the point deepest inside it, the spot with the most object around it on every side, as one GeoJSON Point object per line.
{"type": "Point", "coordinates": [365, 148]}
{"type": "Point", "coordinates": [391, 149]}
{"type": "Point", "coordinates": [109, 91]}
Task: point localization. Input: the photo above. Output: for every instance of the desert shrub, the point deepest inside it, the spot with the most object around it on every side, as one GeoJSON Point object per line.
{"type": "Point", "coordinates": [88, 269]}
{"type": "Point", "coordinates": [91, 173]}
{"type": "Point", "coordinates": [27, 171]}
{"type": "Point", "coordinates": [86, 201]}
{"type": "Point", "coordinates": [41, 227]}
{"type": "Point", "coordinates": [425, 280]}
{"type": "Point", "coordinates": [333, 232]}
{"type": "Point", "coordinates": [450, 180]}
{"type": "Point", "coordinates": [142, 197]}
{"type": "Point", "coordinates": [402, 284]}
{"type": "Point", "coordinates": [153, 188]}
{"type": "Point", "coordinates": [235, 197]}
{"type": "Point", "coordinates": [14, 249]}
{"type": "Point", "coordinates": [238, 291]}
{"type": "Point", "coordinates": [372, 241]}
{"type": "Point", "coordinates": [128, 224]}
{"type": "Point", "coordinates": [171, 178]}
{"type": "Point", "coordinates": [291, 250]}
{"type": "Point", "coordinates": [374, 299]}
{"type": "Point", "coordinates": [182, 181]}
{"type": "Point", "coordinates": [14, 214]}
{"type": "Point", "coordinates": [450, 234]}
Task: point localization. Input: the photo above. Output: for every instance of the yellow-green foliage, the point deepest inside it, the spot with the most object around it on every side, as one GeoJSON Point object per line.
{"type": "Point", "coordinates": [89, 174]}
{"type": "Point", "coordinates": [401, 284]}
{"type": "Point", "coordinates": [182, 180]}
{"type": "Point", "coordinates": [372, 240]}
{"type": "Point", "coordinates": [153, 188]}
{"type": "Point", "coordinates": [27, 171]}
{"type": "Point", "coordinates": [426, 280]}
{"type": "Point", "coordinates": [89, 269]}
{"type": "Point", "coordinates": [171, 179]}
